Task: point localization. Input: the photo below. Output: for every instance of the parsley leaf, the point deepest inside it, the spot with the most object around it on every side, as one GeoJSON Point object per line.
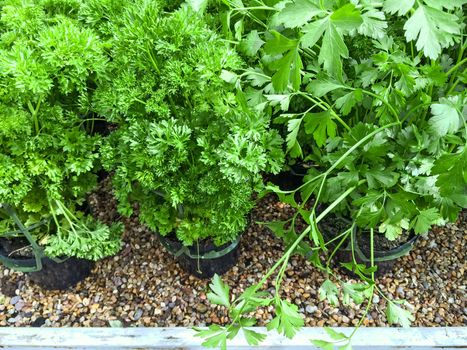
{"type": "Point", "coordinates": [287, 321]}
{"type": "Point", "coordinates": [299, 12]}
{"type": "Point", "coordinates": [320, 125]}
{"type": "Point", "coordinates": [425, 219]}
{"type": "Point", "coordinates": [219, 292]}
{"type": "Point", "coordinates": [433, 29]}
{"type": "Point", "coordinates": [397, 315]}
{"type": "Point", "coordinates": [446, 116]}
{"type": "Point", "coordinates": [329, 291]}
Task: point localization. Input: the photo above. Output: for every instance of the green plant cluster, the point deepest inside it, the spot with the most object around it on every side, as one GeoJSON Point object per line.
{"type": "Point", "coordinates": [187, 150]}
{"type": "Point", "coordinates": [368, 95]}
{"type": "Point", "coordinates": [338, 70]}
{"type": "Point", "coordinates": [371, 98]}
{"type": "Point", "coordinates": [49, 66]}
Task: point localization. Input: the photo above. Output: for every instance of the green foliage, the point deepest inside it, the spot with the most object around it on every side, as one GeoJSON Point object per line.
{"type": "Point", "coordinates": [371, 95]}
{"type": "Point", "coordinates": [287, 321]}
{"type": "Point", "coordinates": [336, 71]}
{"type": "Point", "coordinates": [330, 292]}
{"type": "Point", "coordinates": [220, 292]}
{"type": "Point", "coordinates": [187, 149]}
{"type": "Point", "coordinates": [397, 315]}
{"type": "Point", "coordinates": [49, 65]}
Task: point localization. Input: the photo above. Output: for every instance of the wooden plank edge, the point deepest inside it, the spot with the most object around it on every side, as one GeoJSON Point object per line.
{"type": "Point", "coordinates": [183, 338]}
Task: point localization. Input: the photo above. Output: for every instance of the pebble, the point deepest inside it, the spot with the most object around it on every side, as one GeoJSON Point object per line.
{"type": "Point", "coordinates": [15, 299]}
{"type": "Point", "coordinates": [19, 305]}
{"type": "Point", "coordinates": [311, 309]}
{"type": "Point", "coordinates": [145, 286]}
{"type": "Point", "coordinates": [138, 314]}
{"type": "Point", "coordinates": [201, 308]}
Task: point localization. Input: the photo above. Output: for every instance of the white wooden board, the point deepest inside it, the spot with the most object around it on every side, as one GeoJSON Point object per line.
{"type": "Point", "coordinates": [183, 338]}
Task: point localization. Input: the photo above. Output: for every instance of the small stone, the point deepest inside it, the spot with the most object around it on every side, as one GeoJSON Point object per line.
{"type": "Point", "coordinates": [15, 299]}
{"type": "Point", "coordinates": [86, 301]}
{"type": "Point", "coordinates": [138, 314]}
{"type": "Point", "coordinates": [201, 308]}
{"type": "Point", "coordinates": [376, 299]}
{"type": "Point", "coordinates": [38, 322]}
{"type": "Point", "coordinates": [19, 305]}
{"type": "Point", "coordinates": [311, 309]}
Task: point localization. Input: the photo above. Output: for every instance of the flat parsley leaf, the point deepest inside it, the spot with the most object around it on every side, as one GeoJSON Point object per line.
{"type": "Point", "coordinates": [329, 291]}
{"type": "Point", "coordinates": [446, 116]}
{"type": "Point", "coordinates": [287, 321]}
{"type": "Point", "coordinates": [252, 43]}
{"type": "Point", "coordinates": [433, 29]}
{"type": "Point", "coordinates": [396, 314]}
{"type": "Point", "coordinates": [321, 126]}
{"type": "Point", "coordinates": [220, 292]}
{"type": "Point", "coordinates": [425, 219]}
{"type": "Point", "coordinates": [299, 12]}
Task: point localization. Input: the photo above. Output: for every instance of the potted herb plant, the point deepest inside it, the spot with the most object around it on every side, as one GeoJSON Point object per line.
{"type": "Point", "coordinates": [187, 152]}
{"type": "Point", "coordinates": [49, 65]}
{"type": "Point", "coordinates": [373, 95]}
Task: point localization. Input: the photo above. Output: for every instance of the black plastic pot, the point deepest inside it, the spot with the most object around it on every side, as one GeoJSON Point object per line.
{"type": "Point", "coordinates": [383, 259]}
{"type": "Point", "coordinates": [50, 274]}
{"type": "Point", "coordinates": [205, 259]}
{"type": "Point", "coordinates": [291, 179]}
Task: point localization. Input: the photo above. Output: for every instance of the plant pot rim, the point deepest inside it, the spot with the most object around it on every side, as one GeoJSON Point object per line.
{"type": "Point", "coordinates": [25, 264]}
{"type": "Point", "coordinates": [185, 250]}
{"type": "Point", "coordinates": [385, 255]}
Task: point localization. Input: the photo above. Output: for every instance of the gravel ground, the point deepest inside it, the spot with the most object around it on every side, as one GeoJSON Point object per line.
{"type": "Point", "coordinates": [143, 286]}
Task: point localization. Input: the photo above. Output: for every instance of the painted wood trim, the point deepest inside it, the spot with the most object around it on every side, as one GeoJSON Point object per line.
{"type": "Point", "coordinates": [183, 338]}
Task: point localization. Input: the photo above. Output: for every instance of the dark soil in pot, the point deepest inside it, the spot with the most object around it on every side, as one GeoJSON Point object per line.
{"type": "Point", "coordinates": [204, 259]}
{"type": "Point", "coordinates": [100, 127]}
{"type": "Point", "coordinates": [53, 275]}
{"type": "Point", "coordinates": [386, 252]}
{"type": "Point", "coordinates": [290, 179]}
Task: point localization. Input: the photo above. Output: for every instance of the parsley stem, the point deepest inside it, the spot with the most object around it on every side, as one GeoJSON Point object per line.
{"type": "Point", "coordinates": [325, 107]}
{"type": "Point", "coordinates": [367, 309]}
{"type": "Point", "coordinates": [286, 256]}
{"type": "Point", "coordinates": [460, 63]}
{"type": "Point", "coordinates": [34, 113]}
{"type": "Point", "coordinates": [346, 235]}
{"type": "Point", "coordinates": [372, 253]}
{"type": "Point", "coordinates": [388, 105]}
{"type": "Point", "coordinates": [409, 113]}
{"type": "Point", "coordinates": [255, 8]}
